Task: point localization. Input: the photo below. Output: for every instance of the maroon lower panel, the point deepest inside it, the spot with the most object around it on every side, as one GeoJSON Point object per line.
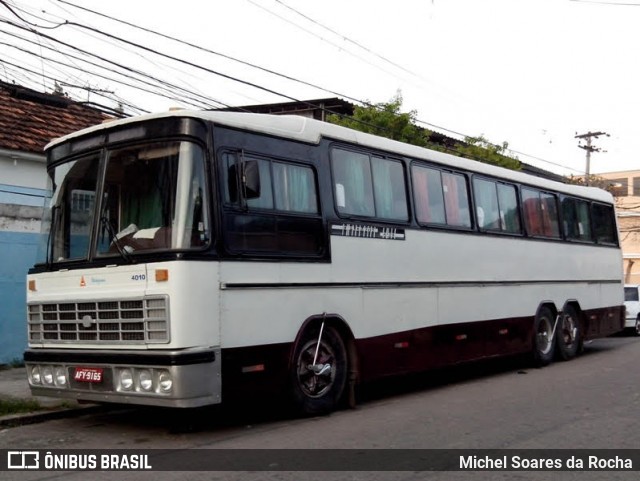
{"type": "Point", "coordinates": [256, 368]}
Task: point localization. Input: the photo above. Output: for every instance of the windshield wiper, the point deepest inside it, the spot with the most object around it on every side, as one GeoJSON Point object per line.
{"type": "Point", "coordinates": [113, 238]}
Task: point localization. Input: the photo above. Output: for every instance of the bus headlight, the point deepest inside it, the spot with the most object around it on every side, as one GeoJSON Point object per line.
{"type": "Point", "coordinates": [145, 380]}
{"type": "Point", "coordinates": [47, 375]}
{"type": "Point", "coordinates": [61, 376]}
{"type": "Point", "coordinates": [126, 379]}
{"type": "Point", "coordinates": [35, 375]}
{"type": "Point", "coordinates": [165, 381]}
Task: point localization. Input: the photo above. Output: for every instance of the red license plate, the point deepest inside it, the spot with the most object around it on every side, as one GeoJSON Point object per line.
{"type": "Point", "coordinates": [88, 374]}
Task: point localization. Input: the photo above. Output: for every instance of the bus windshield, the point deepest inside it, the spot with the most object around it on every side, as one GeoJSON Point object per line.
{"type": "Point", "coordinates": [153, 198]}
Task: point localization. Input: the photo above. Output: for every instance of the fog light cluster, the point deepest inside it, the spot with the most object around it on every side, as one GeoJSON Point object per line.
{"type": "Point", "coordinates": [144, 380]}
{"type": "Point", "coordinates": [48, 376]}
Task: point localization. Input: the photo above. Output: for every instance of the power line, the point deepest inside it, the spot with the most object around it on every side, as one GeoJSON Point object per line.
{"type": "Point", "coordinates": [271, 71]}
{"type": "Point", "coordinates": [285, 76]}
{"type": "Point", "coordinates": [232, 78]}
{"type": "Point", "coordinates": [262, 7]}
{"type": "Point", "coordinates": [213, 52]}
{"type": "Point", "coordinates": [168, 87]}
{"type": "Point", "coordinates": [347, 39]}
{"type": "Point", "coordinates": [61, 82]}
{"type": "Point", "coordinates": [124, 67]}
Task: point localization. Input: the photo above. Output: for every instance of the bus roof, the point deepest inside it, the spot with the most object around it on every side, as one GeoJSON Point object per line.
{"type": "Point", "coordinates": [313, 131]}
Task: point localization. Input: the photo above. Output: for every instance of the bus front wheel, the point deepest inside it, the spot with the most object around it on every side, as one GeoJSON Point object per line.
{"type": "Point", "coordinates": [319, 370]}
{"type": "Point", "coordinates": [543, 345]}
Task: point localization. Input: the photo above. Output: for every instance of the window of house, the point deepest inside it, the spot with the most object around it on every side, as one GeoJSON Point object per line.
{"type": "Point", "coordinates": [619, 187]}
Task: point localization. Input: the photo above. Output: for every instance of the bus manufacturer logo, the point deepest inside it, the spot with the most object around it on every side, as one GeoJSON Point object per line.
{"type": "Point", "coordinates": [87, 320]}
{"type": "Point", "coordinates": [367, 231]}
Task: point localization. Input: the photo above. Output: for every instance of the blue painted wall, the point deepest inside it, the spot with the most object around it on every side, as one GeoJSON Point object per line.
{"type": "Point", "coordinates": [18, 254]}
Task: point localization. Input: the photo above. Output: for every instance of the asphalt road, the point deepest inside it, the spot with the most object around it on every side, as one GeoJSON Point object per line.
{"type": "Point", "coordinates": [592, 402]}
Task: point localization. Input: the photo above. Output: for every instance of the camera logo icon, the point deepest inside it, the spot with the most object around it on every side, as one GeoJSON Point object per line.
{"type": "Point", "coordinates": [23, 460]}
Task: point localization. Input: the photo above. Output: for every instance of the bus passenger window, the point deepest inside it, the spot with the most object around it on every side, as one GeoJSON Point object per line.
{"type": "Point", "coordinates": [575, 214]}
{"type": "Point", "coordinates": [486, 197]}
{"type": "Point", "coordinates": [541, 213]}
{"type": "Point", "coordinates": [352, 171]}
{"type": "Point", "coordinates": [427, 187]}
{"type": "Point", "coordinates": [604, 224]}
{"type": "Point", "coordinates": [509, 212]}
{"type": "Point", "coordinates": [295, 188]}
{"type": "Point", "coordinates": [498, 203]}
{"type": "Point", "coordinates": [456, 200]}
{"type": "Point", "coordinates": [440, 197]}
{"type": "Point", "coordinates": [389, 189]}
{"type": "Point", "coordinates": [369, 186]}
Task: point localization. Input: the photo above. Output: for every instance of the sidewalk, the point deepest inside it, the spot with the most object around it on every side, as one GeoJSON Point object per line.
{"type": "Point", "coordinates": [14, 386]}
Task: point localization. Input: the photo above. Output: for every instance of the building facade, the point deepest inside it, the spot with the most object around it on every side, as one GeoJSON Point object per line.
{"type": "Point", "coordinates": [28, 121]}
{"type": "Point", "coordinates": [625, 186]}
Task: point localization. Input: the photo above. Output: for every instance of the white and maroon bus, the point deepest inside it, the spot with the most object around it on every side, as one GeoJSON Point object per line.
{"type": "Point", "coordinates": [191, 256]}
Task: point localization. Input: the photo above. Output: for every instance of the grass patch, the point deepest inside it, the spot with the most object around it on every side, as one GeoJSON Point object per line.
{"type": "Point", "coordinates": [17, 406]}
{"type": "Point", "coordinates": [17, 362]}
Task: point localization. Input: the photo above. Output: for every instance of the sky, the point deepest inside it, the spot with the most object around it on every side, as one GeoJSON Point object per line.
{"type": "Point", "coordinates": [533, 73]}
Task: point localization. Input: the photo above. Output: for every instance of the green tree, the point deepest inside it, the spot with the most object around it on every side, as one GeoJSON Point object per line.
{"type": "Point", "coordinates": [479, 148]}
{"type": "Point", "coordinates": [386, 119]}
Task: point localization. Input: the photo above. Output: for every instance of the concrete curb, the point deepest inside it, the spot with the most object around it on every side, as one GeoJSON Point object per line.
{"type": "Point", "coordinates": [22, 419]}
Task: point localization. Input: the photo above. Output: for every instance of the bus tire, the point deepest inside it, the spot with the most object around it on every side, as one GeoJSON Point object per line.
{"type": "Point", "coordinates": [543, 345]}
{"type": "Point", "coordinates": [319, 389]}
{"type": "Point", "coordinates": [568, 334]}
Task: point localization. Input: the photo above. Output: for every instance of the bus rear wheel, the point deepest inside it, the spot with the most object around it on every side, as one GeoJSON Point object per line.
{"type": "Point", "coordinates": [568, 334]}
{"type": "Point", "coordinates": [543, 345]}
{"type": "Point", "coordinates": [319, 370]}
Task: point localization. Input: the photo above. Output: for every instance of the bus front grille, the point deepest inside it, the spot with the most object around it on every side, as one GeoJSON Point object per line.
{"type": "Point", "coordinates": [131, 321]}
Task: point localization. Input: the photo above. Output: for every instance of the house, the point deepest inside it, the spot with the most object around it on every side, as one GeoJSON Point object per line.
{"type": "Point", "coordinates": [28, 121]}
{"type": "Point", "coordinates": [625, 186]}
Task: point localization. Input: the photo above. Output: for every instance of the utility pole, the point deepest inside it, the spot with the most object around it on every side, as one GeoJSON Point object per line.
{"type": "Point", "coordinates": [589, 148]}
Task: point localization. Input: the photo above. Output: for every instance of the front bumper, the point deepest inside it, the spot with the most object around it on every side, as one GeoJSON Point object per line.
{"type": "Point", "coordinates": [184, 379]}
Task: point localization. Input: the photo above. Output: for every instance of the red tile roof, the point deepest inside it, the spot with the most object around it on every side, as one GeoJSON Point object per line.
{"type": "Point", "coordinates": [30, 119]}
